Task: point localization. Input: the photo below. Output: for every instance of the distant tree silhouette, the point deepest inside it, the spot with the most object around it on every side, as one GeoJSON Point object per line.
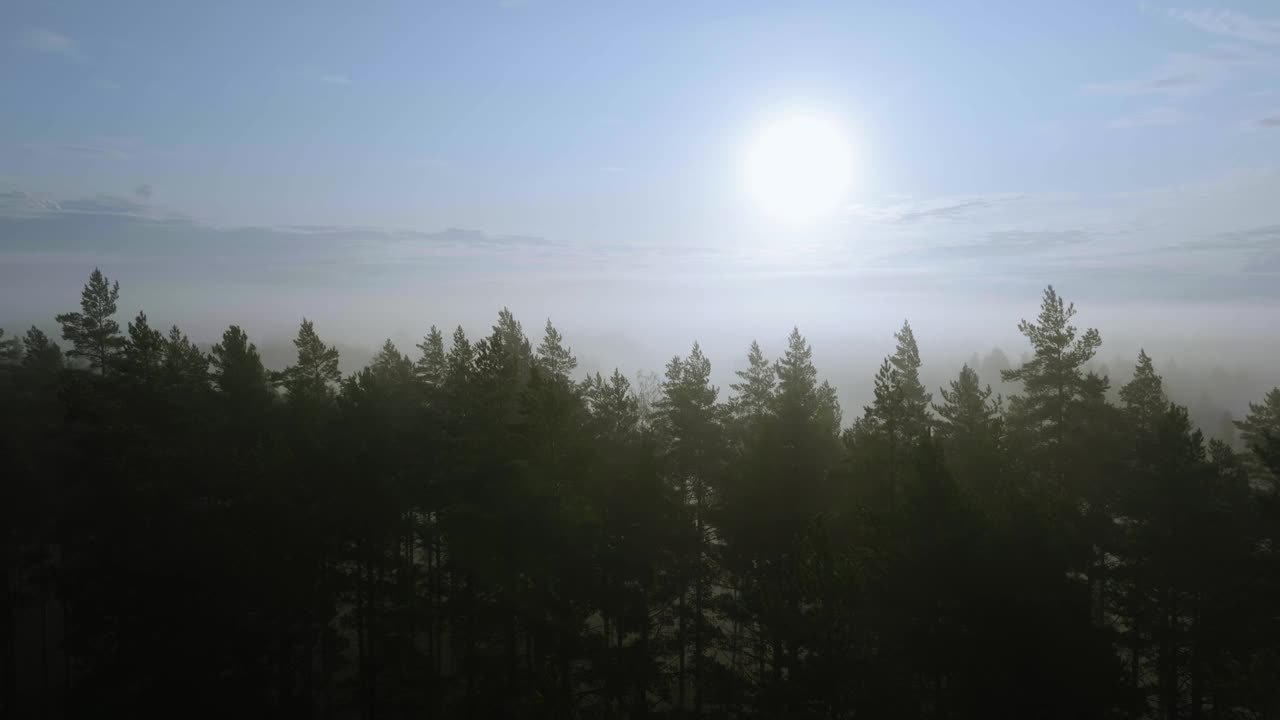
{"type": "Point", "coordinates": [92, 333]}
{"type": "Point", "coordinates": [40, 353]}
{"type": "Point", "coordinates": [476, 533]}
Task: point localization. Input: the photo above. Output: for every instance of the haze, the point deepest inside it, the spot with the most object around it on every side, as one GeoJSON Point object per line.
{"type": "Point", "coordinates": [380, 173]}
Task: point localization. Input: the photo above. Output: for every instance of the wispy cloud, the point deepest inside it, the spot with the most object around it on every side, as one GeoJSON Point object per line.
{"type": "Point", "coordinates": [1167, 82]}
{"type": "Point", "coordinates": [1269, 121]}
{"type": "Point", "coordinates": [94, 151]}
{"type": "Point", "coordinates": [1230, 23]}
{"type": "Point", "coordinates": [144, 191]}
{"type": "Point", "coordinates": [314, 76]}
{"type": "Point", "coordinates": [1152, 117]}
{"type": "Point", "coordinates": [943, 211]}
{"type": "Point", "coordinates": [905, 210]}
{"type": "Point", "coordinates": [48, 41]}
{"type": "Point", "coordinates": [1189, 73]}
{"type": "Point", "coordinates": [91, 148]}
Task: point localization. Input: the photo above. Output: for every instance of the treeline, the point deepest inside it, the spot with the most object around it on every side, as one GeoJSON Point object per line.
{"type": "Point", "coordinates": [469, 532]}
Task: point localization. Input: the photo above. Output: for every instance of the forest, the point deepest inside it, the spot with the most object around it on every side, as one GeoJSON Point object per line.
{"type": "Point", "coordinates": [474, 530]}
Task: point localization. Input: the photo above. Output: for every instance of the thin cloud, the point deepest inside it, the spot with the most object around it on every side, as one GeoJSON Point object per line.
{"type": "Point", "coordinates": [1270, 121]}
{"type": "Point", "coordinates": [945, 211]}
{"type": "Point", "coordinates": [1153, 117]}
{"type": "Point", "coordinates": [1185, 73]}
{"type": "Point", "coordinates": [905, 210]}
{"type": "Point", "coordinates": [144, 191]}
{"type": "Point", "coordinates": [98, 152]}
{"type": "Point", "coordinates": [48, 41]}
{"type": "Point", "coordinates": [1230, 23]}
{"type": "Point", "coordinates": [1161, 84]}
{"type": "Point", "coordinates": [313, 76]}
{"type": "Point", "coordinates": [1266, 236]}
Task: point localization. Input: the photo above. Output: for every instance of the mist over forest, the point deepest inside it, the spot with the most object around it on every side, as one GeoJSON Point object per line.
{"type": "Point", "coordinates": [488, 527]}
{"type": "Point", "coordinates": [716, 360]}
{"type": "Point", "coordinates": [632, 313]}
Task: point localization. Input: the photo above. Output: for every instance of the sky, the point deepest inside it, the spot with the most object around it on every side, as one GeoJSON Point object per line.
{"type": "Point", "coordinates": [383, 166]}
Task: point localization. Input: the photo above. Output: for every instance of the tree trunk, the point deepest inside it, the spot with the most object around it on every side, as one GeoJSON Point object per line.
{"type": "Point", "coordinates": [1197, 674]}
{"type": "Point", "coordinates": [1169, 662]}
{"type": "Point", "coordinates": [1135, 651]}
{"type": "Point", "coordinates": [642, 652]}
{"type": "Point", "coordinates": [697, 610]}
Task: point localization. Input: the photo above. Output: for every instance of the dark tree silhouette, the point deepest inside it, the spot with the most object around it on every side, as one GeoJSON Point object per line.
{"type": "Point", "coordinates": [92, 332]}
{"type": "Point", "coordinates": [483, 532]}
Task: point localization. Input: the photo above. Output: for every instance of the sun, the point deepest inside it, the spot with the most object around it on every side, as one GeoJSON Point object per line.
{"type": "Point", "coordinates": [798, 167]}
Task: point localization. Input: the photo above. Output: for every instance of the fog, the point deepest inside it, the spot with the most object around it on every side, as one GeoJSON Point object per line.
{"type": "Point", "coordinates": [630, 309]}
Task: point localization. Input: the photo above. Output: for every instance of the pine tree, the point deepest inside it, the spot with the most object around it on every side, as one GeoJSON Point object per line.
{"type": "Point", "coordinates": [11, 350]}
{"type": "Point", "coordinates": [968, 413]}
{"type": "Point", "coordinates": [970, 427]}
{"type": "Point", "coordinates": [237, 369]}
{"type": "Point", "coordinates": [1053, 383]}
{"type": "Point", "coordinates": [754, 395]}
{"type": "Point", "coordinates": [144, 351]}
{"type": "Point", "coordinates": [830, 415]}
{"type": "Point", "coordinates": [41, 353]}
{"type": "Point", "coordinates": [612, 403]}
{"type": "Point", "coordinates": [316, 370]}
{"type": "Point", "coordinates": [91, 332]}
{"type": "Point", "coordinates": [432, 367]}
{"type": "Point", "coordinates": [1143, 397]}
{"type": "Point", "coordinates": [691, 425]}
{"type": "Point", "coordinates": [509, 335]}
{"type": "Point", "coordinates": [391, 366]}
{"type": "Point", "coordinates": [1260, 426]}
{"type": "Point", "coordinates": [553, 356]}
{"type": "Point", "coordinates": [459, 363]}
{"type": "Point", "coordinates": [184, 364]}
{"type": "Point", "coordinates": [911, 395]}
{"type": "Point", "coordinates": [896, 420]}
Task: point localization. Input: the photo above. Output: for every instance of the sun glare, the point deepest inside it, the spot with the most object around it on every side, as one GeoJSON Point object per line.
{"type": "Point", "coordinates": [799, 167]}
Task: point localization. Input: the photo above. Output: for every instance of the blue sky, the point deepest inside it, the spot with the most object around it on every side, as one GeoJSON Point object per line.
{"type": "Point", "coordinates": [1128, 151]}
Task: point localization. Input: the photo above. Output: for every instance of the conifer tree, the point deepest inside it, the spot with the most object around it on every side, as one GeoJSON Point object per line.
{"type": "Point", "coordinates": [237, 367]}
{"type": "Point", "coordinates": [553, 356]}
{"type": "Point", "coordinates": [316, 370]}
{"type": "Point", "coordinates": [911, 396]}
{"type": "Point", "coordinates": [390, 366]}
{"type": "Point", "coordinates": [11, 350]}
{"type": "Point", "coordinates": [184, 364]}
{"type": "Point", "coordinates": [41, 353]}
{"type": "Point", "coordinates": [1259, 427]}
{"type": "Point", "coordinates": [755, 393]}
{"type": "Point", "coordinates": [431, 367]}
{"type": "Point", "coordinates": [1053, 382]}
{"type": "Point", "coordinates": [144, 350]}
{"type": "Point", "coordinates": [968, 413]}
{"type": "Point", "coordinates": [461, 355]}
{"type": "Point", "coordinates": [92, 332]}
{"type": "Point", "coordinates": [969, 423]}
{"type": "Point", "coordinates": [690, 422]}
{"type": "Point", "coordinates": [896, 419]}
{"type": "Point", "coordinates": [1143, 397]}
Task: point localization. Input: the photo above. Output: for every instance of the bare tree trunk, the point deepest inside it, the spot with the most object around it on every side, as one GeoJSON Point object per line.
{"type": "Point", "coordinates": [1197, 674]}
{"type": "Point", "coordinates": [698, 582]}
{"type": "Point", "coordinates": [642, 649]}
{"type": "Point", "coordinates": [1169, 662]}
